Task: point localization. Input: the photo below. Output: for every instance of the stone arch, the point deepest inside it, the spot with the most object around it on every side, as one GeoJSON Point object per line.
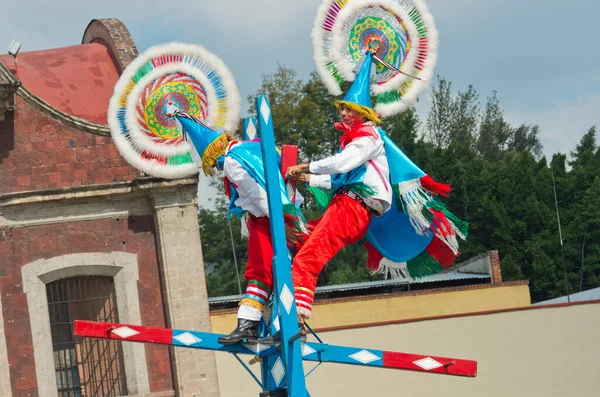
{"type": "Point", "coordinates": [114, 35]}
{"type": "Point", "coordinates": [123, 267]}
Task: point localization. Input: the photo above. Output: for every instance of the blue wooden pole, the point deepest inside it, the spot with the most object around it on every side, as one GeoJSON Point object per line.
{"type": "Point", "coordinates": [289, 366]}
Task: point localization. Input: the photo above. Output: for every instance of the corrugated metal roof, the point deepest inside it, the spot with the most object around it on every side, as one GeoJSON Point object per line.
{"type": "Point", "coordinates": [590, 294]}
{"type": "Point", "coordinates": [451, 277]}
{"type": "Point", "coordinates": [440, 277]}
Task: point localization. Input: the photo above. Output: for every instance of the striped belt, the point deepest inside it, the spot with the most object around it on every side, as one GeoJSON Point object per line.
{"type": "Point", "coordinates": [359, 199]}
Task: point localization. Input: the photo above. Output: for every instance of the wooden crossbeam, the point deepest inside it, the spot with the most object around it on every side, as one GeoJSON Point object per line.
{"type": "Point", "coordinates": [318, 352]}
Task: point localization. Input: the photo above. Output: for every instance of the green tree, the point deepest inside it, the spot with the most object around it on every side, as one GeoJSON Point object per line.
{"type": "Point", "coordinates": [284, 91]}
{"type": "Point", "coordinates": [465, 115]}
{"type": "Point", "coordinates": [587, 218]}
{"type": "Point", "coordinates": [440, 114]}
{"type": "Point", "coordinates": [584, 151]}
{"type": "Point", "coordinates": [218, 254]}
{"type": "Point", "coordinates": [525, 138]}
{"type": "Point", "coordinates": [316, 115]}
{"type": "Point", "coordinates": [494, 131]}
{"type": "Point", "coordinates": [501, 185]}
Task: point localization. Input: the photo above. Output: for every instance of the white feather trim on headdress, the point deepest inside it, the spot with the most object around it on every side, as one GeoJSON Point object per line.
{"type": "Point", "coordinates": [185, 71]}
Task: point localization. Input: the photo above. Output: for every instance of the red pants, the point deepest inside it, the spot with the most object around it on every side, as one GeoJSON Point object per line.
{"type": "Point", "coordinates": [345, 222]}
{"type": "Point", "coordinates": [260, 252]}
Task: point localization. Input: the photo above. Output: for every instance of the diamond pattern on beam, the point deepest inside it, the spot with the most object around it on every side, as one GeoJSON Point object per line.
{"type": "Point", "coordinates": [428, 363]}
{"type": "Point", "coordinates": [265, 111]}
{"type": "Point", "coordinates": [278, 371]}
{"type": "Point", "coordinates": [256, 347]}
{"type": "Point", "coordinates": [306, 350]}
{"type": "Point", "coordinates": [124, 332]}
{"type": "Point", "coordinates": [187, 338]}
{"type": "Point", "coordinates": [286, 298]}
{"type": "Point", "coordinates": [364, 356]}
{"type": "Point", "coordinates": [251, 130]}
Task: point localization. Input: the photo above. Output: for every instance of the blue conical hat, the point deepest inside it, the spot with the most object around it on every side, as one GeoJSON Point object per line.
{"type": "Point", "coordinates": [200, 135]}
{"type": "Point", "coordinates": [359, 92]}
{"type": "Point", "coordinates": [204, 138]}
{"type": "Point", "coordinates": [358, 97]}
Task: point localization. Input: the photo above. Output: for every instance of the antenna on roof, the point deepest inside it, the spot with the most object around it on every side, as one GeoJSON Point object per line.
{"type": "Point", "coordinates": [13, 49]}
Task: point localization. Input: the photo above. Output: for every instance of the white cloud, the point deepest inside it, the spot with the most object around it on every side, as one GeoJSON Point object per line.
{"type": "Point", "coordinates": [267, 20]}
{"type": "Point", "coordinates": [562, 124]}
{"type": "Point", "coordinates": [239, 21]}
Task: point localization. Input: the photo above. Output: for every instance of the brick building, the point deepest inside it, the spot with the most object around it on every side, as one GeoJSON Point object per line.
{"type": "Point", "coordinates": [84, 236]}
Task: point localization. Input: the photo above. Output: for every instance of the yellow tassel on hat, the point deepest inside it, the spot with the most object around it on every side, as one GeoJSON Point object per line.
{"type": "Point", "coordinates": [213, 152]}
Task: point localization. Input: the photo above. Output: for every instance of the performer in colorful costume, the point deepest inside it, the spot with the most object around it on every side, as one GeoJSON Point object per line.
{"type": "Point", "coordinates": [245, 185]}
{"type": "Point", "coordinates": [182, 85]}
{"type": "Point", "coordinates": [381, 199]}
{"type": "Point", "coordinates": [358, 176]}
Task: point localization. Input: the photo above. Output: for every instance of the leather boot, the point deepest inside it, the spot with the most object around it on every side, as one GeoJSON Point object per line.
{"type": "Point", "coordinates": [275, 339]}
{"type": "Point", "coordinates": [246, 330]}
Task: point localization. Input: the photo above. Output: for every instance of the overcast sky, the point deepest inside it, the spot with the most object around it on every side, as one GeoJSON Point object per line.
{"type": "Point", "coordinates": [540, 55]}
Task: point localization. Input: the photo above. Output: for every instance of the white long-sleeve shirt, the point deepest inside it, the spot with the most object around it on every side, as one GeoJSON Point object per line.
{"type": "Point", "coordinates": [369, 151]}
{"type": "Point", "coordinates": [252, 197]}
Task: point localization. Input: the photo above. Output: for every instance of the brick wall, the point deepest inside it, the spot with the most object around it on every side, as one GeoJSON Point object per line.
{"type": "Point", "coordinates": [24, 245]}
{"type": "Point", "coordinates": [38, 152]}
{"type": "Point", "coordinates": [495, 265]}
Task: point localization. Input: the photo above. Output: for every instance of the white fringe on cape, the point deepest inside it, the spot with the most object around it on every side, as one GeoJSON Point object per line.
{"type": "Point", "coordinates": [414, 199]}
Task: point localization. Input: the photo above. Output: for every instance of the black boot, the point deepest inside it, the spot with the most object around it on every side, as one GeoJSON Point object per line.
{"type": "Point", "coordinates": [275, 338]}
{"type": "Point", "coordinates": [246, 330]}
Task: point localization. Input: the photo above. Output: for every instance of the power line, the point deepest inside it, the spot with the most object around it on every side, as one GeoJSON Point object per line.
{"type": "Point", "coordinates": [237, 272]}
{"type": "Point", "coordinates": [562, 247]}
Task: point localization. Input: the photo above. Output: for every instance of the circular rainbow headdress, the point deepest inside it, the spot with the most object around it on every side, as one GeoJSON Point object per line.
{"type": "Point", "coordinates": [176, 75]}
{"type": "Point", "coordinates": [405, 40]}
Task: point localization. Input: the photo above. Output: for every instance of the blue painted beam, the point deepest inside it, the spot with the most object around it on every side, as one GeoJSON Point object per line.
{"type": "Point", "coordinates": [283, 289]}
{"type": "Point", "coordinates": [318, 352]}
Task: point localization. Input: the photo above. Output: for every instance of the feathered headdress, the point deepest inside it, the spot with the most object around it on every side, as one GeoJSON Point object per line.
{"type": "Point", "coordinates": [401, 35]}
{"type": "Point", "coordinates": [164, 80]}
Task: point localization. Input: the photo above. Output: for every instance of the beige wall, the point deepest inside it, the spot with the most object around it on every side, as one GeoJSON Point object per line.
{"type": "Point", "coordinates": [545, 352]}
{"type": "Point", "coordinates": [385, 308]}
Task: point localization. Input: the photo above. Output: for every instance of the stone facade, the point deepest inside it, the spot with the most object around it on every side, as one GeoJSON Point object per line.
{"type": "Point", "coordinates": [143, 233]}
{"type": "Point", "coordinates": [71, 206]}
{"type": "Point", "coordinates": [181, 251]}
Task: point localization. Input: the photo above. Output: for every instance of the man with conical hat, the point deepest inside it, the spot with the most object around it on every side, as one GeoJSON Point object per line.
{"type": "Point", "coordinates": [380, 199]}
{"type": "Point", "coordinates": [245, 185]}
{"type": "Point", "coordinates": [359, 177]}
